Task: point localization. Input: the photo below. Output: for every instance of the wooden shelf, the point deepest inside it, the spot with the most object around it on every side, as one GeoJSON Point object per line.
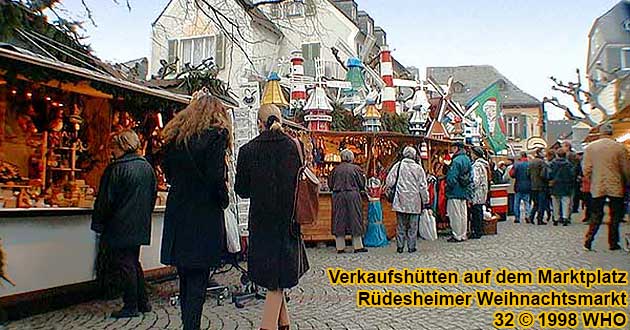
{"type": "Point", "coordinates": [64, 169]}
{"type": "Point", "coordinates": [14, 186]}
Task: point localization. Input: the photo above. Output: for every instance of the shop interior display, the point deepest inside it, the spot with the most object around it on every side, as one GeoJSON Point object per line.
{"type": "Point", "coordinates": [375, 153]}
{"type": "Point", "coordinates": [54, 145]}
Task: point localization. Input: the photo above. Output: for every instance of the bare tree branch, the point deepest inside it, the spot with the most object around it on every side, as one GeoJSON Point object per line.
{"type": "Point", "coordinates": [89, 12]}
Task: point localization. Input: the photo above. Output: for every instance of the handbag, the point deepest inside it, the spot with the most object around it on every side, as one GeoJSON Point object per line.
{"type": "Point", "coordinates": [306, 199]}
{"type": "Point", "coordinates": [390, 193]}
{"type": "Point", "coordinates": [232, 235]}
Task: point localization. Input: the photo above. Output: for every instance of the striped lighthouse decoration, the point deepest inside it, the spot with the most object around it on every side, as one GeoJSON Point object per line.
{"type": "Point", "coordinates": [298, 89]}
{"type": "Point", "coordinates": [388, 97]}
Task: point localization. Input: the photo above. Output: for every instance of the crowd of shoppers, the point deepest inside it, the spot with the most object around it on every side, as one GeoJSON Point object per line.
{"type": "Point", "coordinates": [197, 151]}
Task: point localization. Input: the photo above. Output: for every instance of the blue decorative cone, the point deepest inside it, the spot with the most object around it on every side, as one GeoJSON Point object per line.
{"type": "Point", "coordinates": [375, 236]}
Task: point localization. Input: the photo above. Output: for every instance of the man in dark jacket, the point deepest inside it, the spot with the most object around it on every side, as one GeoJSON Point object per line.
{"type": "Point", "coordinates": [122, 216]}
{"type": "Point", "coordinates": [458, 192]}
{"type": "Point", "coordinates": [538, 177]}
{"type": "Point", "coordinates": [562, 176]}
{"type": "Point", "coordinates": [522, 188]}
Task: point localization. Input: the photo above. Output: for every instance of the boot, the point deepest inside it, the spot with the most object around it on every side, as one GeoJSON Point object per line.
{"type": "Point", "coordinates": [125, 313]}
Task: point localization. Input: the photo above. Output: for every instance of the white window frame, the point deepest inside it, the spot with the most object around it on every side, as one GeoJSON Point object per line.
{"type": "Point", "coordinates": [275, 11]}
{"type": "Point", "coordinates": [624, 66]}
{"type": "Point", "coordinates": [370, 27]}
{"type": "Point", "coordinates": [310, 8]}
{"type": "Point", "coordinates": [294, 8]}
{"type": "Point", "coordinates": [513, 126]}
{"type": "Point", "coordinates": [180, 49]}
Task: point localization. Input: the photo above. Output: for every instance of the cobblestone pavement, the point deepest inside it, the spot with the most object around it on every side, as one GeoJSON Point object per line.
{"type": "Point", "coordinates": [317, 305]}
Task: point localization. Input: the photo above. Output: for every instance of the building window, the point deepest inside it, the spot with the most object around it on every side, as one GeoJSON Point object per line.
{"type": "Point", "coordinates": [275, 11]}
{"type": "Point", "coordinates": [458, 87]}
{"type": "Point", "coordinates": [194, 51]}
{"type": "Point", "coordinates": [310, 52]}
{"type": "Point", "coordinates": [294, 8]}
{"type": "Point", "coordinates": [625, 58]}
{"type": "Point", "coordinates": [502, 85]}
{"type": "Point", "coordinates": [173, 46]}
{"type": "Point", "coordinates": [309, 8]}
{"type": "Point", "coordinates": [370, 28]}
{"type": "Point", "coordinates": [513, 127]}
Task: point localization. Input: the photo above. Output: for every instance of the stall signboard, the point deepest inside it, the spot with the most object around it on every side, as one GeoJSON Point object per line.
{"type": "Point", "coordinates": [245, 128]}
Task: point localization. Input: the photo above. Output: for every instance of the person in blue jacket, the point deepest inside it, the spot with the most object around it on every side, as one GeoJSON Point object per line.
{"type": "Point", "coordinates": [522, 188]}
{"type": "Point", "coordinates": [459, 192]}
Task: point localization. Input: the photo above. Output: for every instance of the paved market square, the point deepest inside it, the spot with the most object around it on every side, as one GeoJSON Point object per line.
{"type": "Point", "coordinates": [316, 305]}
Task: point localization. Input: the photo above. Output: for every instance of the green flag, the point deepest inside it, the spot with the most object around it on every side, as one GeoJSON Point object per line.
{"type": "Point", "coordinates": [487, 105]}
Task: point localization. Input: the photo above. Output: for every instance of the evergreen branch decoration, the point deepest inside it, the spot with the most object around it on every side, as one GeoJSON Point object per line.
{"type": "Point", "coordinates": [344, 120]}
{"type": "Point", "coordinates": [393, 122]}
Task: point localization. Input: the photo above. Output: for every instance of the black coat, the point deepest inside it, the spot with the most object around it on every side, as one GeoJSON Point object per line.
{"type": "Point", "coordinates": [266, 173]}
{"type": "Point", "coordinates": [194, 224]}
{"type": "Point", "coordinates": [125, 202]}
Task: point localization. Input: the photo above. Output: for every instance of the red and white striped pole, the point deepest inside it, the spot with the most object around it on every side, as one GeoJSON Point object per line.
{"type": "Point", "coordinates": [298, 89]}
{"type": "Point", "coordinates": [388, 96]}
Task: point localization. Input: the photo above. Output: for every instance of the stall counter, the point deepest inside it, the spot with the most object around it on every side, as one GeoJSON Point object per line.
{"type": "Point", "coordinates": [320, 231]}
{"type": "Point", "coordinates": [49, 248]}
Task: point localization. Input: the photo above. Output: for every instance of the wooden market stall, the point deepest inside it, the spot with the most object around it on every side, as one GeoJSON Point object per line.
{"type": "Point", "coordinates": [55, 123]}
{"type": "Point", "coordinates": [375, 153]}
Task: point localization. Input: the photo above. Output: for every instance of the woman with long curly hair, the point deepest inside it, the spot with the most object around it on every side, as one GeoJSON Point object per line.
{"type": "Point", "coordinates": [266, 173]}
{"type": "Point", "coordinates": [197, 142]}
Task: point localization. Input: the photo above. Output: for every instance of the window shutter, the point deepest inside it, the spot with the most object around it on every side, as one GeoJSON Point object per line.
{"type": "Point", "coordinates": [172, 50]}
{"type": "Point", "coordinates": [523, 125]}
{"type": "Point", "coordinates": [625, 59]}
{"type": "Point", "coordinates": [309, 64]}
{"type": "Point", "coordinates": [219, 56]}
{"type": "Point", "coordinates": [316, 50]}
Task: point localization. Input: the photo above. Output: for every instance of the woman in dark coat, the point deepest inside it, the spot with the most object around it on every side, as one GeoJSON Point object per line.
{"type": "Point", "coordinates": [347, 182]}
{"type": "Point", "coordinates": [266, 173]}
{"type": "Point", "coordinates": [122, 215]}
{"type": "Point", "coordinates": [196, 143]}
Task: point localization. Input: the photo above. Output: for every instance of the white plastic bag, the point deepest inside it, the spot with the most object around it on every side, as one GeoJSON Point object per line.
{"type": "Point", "coordinates": [426, 226]}
{"type": "Point", "coordinates": [231, 231]}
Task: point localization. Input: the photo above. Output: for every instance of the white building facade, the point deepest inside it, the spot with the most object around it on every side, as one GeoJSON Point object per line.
{"type": "Point", "coordinates": [247, 42]}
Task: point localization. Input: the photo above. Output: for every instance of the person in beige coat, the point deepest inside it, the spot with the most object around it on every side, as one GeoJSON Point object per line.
{"type": "Point", "coordinates": [606, 165]}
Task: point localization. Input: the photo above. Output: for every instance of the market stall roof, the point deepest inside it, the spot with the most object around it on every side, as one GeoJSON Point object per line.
{"type": "Point", "coordinates": [33, 59]}
{"type": "Point", "coordinates": [380, 134]}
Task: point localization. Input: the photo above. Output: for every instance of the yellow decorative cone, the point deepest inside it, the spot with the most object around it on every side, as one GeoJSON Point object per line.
{"type": "Point", "coordinates": [273, 92]}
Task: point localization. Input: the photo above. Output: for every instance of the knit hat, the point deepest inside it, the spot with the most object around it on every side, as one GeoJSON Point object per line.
{"type": "Point", "coordinates": [478, 151]}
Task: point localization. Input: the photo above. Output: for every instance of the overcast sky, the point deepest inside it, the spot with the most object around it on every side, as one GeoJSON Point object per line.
{"type": "Point", "coordinates": [527, 41]}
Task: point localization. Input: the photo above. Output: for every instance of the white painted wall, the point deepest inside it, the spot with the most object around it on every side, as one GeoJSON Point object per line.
{"type": "Point", "coordinates": [47, 252]}
{"type": "Point", "coordinates": [329, 27]}
{"type": "Point", "coordinates": [181, 20]}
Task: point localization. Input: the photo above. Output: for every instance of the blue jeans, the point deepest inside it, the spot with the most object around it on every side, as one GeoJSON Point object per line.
{"type": "Point", "coordinates": [541, 205]}
{"type": "Point", "coordinates": [518, 198]}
